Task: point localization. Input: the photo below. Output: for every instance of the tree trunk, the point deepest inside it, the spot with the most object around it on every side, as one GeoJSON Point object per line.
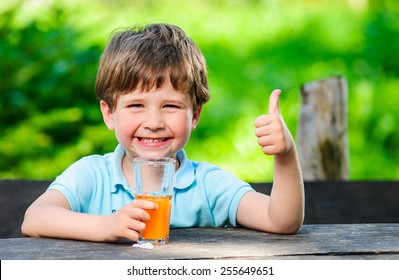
{"type": "Point", "coordinates": [322, 135]}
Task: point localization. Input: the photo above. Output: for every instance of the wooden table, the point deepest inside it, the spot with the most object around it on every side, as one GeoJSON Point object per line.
{"type": "Point", "coordinates": [332, 241]}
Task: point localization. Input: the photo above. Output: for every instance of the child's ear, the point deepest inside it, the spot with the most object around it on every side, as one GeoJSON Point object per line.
{"type": "Point", "coordinates": [107, 115]}
{"type": "Point", "coordinates": [196, 117]}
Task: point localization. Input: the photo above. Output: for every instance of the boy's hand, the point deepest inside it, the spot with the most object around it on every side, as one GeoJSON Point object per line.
{"type": "Point", "coordinates": [128, 222]}
{"type": "Point", "coordinates": [273, 135]}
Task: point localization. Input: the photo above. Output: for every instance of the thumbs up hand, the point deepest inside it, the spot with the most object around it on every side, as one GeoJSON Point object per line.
{"type": "Point", "coordinates": [271, 130]}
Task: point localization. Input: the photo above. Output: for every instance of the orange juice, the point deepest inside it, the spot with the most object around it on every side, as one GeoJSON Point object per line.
{"type": "Point", "coordinates": [157, 228]}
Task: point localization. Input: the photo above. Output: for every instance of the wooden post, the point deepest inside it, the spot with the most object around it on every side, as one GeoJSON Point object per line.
{"type": "Point", "coordinates": [322, 135]}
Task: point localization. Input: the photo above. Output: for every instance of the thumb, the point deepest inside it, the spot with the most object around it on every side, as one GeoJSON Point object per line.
{"type": "Point", "coordinates": [273, 102]}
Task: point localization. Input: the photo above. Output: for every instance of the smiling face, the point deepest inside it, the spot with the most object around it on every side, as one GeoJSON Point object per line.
{"type": "Point", "coordinates": [152, 123]}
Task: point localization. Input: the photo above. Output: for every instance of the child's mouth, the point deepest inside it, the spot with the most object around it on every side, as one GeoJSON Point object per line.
{"type": "Point", "coordinates": [152, 140]}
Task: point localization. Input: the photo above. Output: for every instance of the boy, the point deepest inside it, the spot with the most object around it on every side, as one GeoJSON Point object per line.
{"type": "Point", "coordinates": [152, 84]}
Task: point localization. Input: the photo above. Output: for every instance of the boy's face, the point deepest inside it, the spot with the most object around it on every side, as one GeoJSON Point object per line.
{"type": "Point", "coordinates": [154, 123]}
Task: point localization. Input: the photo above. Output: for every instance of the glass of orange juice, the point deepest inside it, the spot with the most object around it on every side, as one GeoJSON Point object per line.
{"type": "Point", "coordinates": [153, 181]}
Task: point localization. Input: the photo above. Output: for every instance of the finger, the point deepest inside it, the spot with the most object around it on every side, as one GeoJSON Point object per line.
{"type": "Point", "coordinates": [261, 121]}
{"type": "Point", "coordinates": [265, 141]}
{"type": "Point", "coordinates": [134, 230]}
{"type": "Point", "coordinates": [262, 131]}
{"type": "Point", "coordinates": [273, 102]}
{"type": "Point", "coordinates": [144, 204]}
{"type": "Point", "coordinates": [137, 226]}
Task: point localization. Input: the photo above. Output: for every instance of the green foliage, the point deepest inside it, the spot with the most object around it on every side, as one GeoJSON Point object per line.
{"type": "Point", "coordinates": [50, 117]}
{"type": "Point", "coordinates": [47, 101]}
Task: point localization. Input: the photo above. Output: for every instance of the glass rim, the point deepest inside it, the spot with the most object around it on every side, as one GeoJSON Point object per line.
{"type": "Point", "coordinates": [154, 159]}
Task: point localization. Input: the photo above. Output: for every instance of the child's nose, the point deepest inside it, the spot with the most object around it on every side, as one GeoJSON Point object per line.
{"type": "Point", "coordinates": [154, 120]}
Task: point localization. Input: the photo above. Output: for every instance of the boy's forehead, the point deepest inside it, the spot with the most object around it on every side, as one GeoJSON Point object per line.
{"type": "Point", "coordinates": [158, 93]}
{"type": "Point", "coordinates": [166, 88]}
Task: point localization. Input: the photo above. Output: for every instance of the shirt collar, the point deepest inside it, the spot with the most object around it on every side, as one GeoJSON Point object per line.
{"type": "Point", "coordinates": [185, 174]}
{"type": "Point", "coordinates": [118, 178]}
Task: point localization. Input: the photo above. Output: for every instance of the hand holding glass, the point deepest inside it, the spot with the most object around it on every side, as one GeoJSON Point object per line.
{"type": "Point", "coordinates": [153, 181]}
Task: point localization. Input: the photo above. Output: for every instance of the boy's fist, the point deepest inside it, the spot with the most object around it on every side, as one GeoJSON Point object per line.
{"type": "Point", "coordinates": [273, 135]}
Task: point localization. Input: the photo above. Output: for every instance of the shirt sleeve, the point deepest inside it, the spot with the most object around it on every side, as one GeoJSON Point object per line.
{"type": "Point", "coordinates": [76, 184]}
{"type": "Point", "coordinates": [224, 192]}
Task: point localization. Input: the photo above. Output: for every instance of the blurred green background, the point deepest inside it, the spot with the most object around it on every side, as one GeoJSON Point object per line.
{"type": "Point", "coordinates": [49, 50]}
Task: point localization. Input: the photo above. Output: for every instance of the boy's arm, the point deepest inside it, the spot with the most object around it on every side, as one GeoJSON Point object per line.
{"type": "Point", "coordinates": [50, 216]}
{"type": "Point", "coordinates": [283, 210]}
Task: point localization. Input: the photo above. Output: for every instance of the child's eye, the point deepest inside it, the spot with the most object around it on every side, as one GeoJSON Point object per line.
{"type": "Point", "coordinates": [135, 105]}
{"type": "Point", "coordinates": [174, 106]}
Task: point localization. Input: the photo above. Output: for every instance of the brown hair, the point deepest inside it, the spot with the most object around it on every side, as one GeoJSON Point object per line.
{"type": "Point", "coordinates": [146, 57]}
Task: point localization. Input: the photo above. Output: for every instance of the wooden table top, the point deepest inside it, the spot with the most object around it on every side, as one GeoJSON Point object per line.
{"type": "Point", "coordinates": [328, 241]}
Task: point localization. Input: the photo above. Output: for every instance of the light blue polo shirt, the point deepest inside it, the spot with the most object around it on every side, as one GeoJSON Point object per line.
{"type": "Point", "coordinates": [204, 194]}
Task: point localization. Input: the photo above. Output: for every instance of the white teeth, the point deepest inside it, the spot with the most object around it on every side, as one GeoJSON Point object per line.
{"type": "Point", "coordinates": [151, 140]}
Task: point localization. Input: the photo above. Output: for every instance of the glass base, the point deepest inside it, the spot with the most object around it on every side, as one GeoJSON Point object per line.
{"type": "Point", "coordinates": [159, 241]}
